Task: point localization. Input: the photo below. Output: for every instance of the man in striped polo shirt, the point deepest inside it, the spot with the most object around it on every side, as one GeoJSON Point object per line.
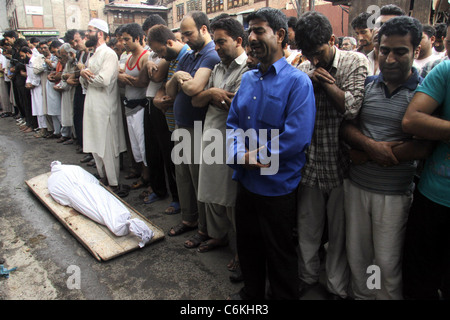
{"type": "Point", "coordinates": [378, 193]}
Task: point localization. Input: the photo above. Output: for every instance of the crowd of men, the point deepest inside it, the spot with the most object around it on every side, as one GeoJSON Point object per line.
{"type": "Point", "coordinates": [358, 134]}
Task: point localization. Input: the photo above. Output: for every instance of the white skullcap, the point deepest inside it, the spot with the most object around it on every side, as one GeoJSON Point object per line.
{"type": "Point", "coordinates": [99, 24]}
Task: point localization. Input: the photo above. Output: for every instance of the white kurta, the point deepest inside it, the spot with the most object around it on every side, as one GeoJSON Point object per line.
{"type": "Point", "coordinates": [53, 96]}
{"type": "Point", "coordinates": [36, 92]}
{"type": "Point", "coordinates": [67, 99]}
{"type": "Point", "coordinates": [102, 106]}
{"type": "Point", "coordinates": [41, 70]}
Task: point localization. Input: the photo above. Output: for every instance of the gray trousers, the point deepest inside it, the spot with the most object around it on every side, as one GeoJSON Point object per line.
{"type": "Point", "coordinates": [186, 174]}
{"type": "Point", "coordinates": [313, 206]}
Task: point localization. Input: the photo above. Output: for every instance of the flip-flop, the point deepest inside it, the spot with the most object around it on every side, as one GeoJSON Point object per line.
{"type": "Point", "coordinates": [180, 229]}
{"type": "Point", "coordinates": [176, 208]}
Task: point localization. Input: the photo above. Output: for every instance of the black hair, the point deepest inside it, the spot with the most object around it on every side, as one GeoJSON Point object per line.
{"type": "Point", "coordinates": [441, 30]}
{"type": "Point", "coordinates": [151, 21]}
{"type": "Point", "coordinates": [392, 10]}
{"type": "Point", "coordinates": [118, 31]}
{"type": "Point", "coordinates": [11, 34]}
{"type": "Point", "coordinates": [402, 26]}
{"type": "Point", "coordinates": [161, 34]}
{"type": "Point", "coordinates": [231, 26]}
{"type": "Point", "coordinates": [135, 31]}
{"type": "Point", "coordinates": [275, 18]}
{"type": "Point", "coordinates": [82, 33]}
{"type": "Point", "coordinates": [112, 42]}
{"type": "Point", "coordinates": [41, 43]}
{"type": "Point", "coordinates": [360, 22]}
{"type": "Point", "coordinates": [20, 42]}
{"type": "Point", "coordinates": [313, 29]}
{"type": "Point", "coordinates": [292, 21]}
{"type": "Point", "coordinates": [200, 19]}
{"type": "Point", "coordinates": [429, 30]}
{"type": "Point", "coordinates": [55, 44]}
{"type": "Point", "coordinates": [69, 35]}
{"type": "Point", "coordinates": [26, 49]}
{"type": "Point", "coordinates": [220, 16]}
{"type": "Point", "coordinates": [34, 40]}
{"type": "Point", "coordinates": [2, 42]}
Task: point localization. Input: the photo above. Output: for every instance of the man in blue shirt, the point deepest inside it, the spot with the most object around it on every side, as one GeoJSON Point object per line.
{"type": "Point", "coordinates": [269, 126]}
{"type": "Point", "coordinates": [191, 77]}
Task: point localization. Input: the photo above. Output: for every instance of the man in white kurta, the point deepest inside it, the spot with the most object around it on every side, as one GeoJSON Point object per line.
{"type": "Point", "coordinates": [103, 134]}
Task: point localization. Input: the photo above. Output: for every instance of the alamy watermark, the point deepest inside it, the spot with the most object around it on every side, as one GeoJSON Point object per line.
{"type": "Point", "coordinates": [213, 151]}
{"type": "Point", "coordinates": [372, 20]}
{"type": "Point", "coordinates": [74, 280]}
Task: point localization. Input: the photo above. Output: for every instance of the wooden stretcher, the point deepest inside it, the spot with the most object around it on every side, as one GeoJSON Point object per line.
{"type": "Point", "coordinates": [96, 238]}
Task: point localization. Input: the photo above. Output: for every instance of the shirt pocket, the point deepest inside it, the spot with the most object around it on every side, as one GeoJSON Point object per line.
{"type": "Point", "coordinates": [271, 111]}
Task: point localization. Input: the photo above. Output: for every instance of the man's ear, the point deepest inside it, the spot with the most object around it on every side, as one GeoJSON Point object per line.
{"type": "Point", "coordinates": [239, 41]}
{"type": "Point", "coordinates": [281, 33]}
{"type": "Point", "coordinates": [169, 43]}
{"type": "Point", "coordinates": [332, 40]}
{"type": "Point", "coordinates": [417, 51]}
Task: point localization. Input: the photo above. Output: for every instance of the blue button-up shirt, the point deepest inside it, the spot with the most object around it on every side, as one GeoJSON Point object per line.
{"type": "Point", "coordinates": [281, 99]}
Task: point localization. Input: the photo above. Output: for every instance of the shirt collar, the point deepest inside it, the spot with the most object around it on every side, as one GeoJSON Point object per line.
{"type": "Point", "coordinates": [277, 66]}
{"type": "Point", "coordinates": [182, 51]}
{"type": "Point", "coordinates": [205, 49]}
{"type": "Point", "coordinates": [410, 84]}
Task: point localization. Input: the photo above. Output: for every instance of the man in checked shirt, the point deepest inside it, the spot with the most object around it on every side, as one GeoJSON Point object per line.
{"type": "Point", "coordinates": [338, 79]}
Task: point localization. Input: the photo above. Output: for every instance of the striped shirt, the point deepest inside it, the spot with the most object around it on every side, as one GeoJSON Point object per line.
{"type": "Point", "coordinates": [381, 119]}
{"type": "Point", "coordinates": [170, 117]}
{"type": "Point", "coordinates": [327, 162]}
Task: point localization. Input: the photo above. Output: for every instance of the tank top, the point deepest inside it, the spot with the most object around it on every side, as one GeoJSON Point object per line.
{"type": "Point", "coordinates": [133, 93]}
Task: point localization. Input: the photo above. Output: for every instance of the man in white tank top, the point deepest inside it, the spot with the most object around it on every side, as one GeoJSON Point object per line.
{"type": "Point", "coordinates": [135, 97]}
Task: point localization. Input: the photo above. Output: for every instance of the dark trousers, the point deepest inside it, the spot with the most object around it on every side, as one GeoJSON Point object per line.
{"type": "Point", "coordinates": [17, 99]}
{"type": "Point", "coordinates": [158, 148]}
{"type": "Point", "coordinates": [25, 101]}
{"type": "Point", "coordinates": [264, 229]}
{"type": "Point", "coordinates": [426, 261]}
{"type": "Point", "coordinates": [78, 110]}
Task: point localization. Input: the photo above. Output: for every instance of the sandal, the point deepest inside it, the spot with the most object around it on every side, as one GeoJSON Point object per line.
{"type": "Point", "coordinates": [180, 229]}
{"type": "Point", "coordinates": [153, 197]}
{"type": "Point", "coordinates": [140, 183]}
{"type": "Point", "coordinates": [145, 193]}
{"type": "Point", "coordinates": [196, 240]}
{"type": "Point", "coordinates": [173, 208]}
{"type": "Point", "coordinates": [211, 244]}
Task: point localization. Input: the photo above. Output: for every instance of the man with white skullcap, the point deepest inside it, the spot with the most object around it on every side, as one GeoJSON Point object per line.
{"type": "Point", "coordinates": [103, 134]}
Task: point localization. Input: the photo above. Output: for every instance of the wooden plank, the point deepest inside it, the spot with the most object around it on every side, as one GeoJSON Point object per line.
{"type": "Point", "coordinates": [96, 238]}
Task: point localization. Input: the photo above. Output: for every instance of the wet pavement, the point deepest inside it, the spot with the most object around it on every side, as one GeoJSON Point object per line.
{"type": "Point", "coordinates": [45, 253]}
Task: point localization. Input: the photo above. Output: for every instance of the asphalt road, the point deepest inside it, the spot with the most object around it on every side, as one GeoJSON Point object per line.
{"type": "Point", "coordinates": [46, 254]}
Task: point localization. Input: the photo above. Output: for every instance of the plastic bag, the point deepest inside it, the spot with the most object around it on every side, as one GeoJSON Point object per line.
{"type": "Point", "coordinates": [72, 186]}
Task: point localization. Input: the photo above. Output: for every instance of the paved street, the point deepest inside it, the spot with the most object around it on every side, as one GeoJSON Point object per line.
{"type": "Point", "coordinates": [44, 252]}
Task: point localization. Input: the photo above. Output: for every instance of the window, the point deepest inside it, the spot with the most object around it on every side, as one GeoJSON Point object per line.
{"type": "Point", "coordinates": [180, 11]}
{"type": "Point", "coordinates": [38, 21]}
{"type": "Point", "coordinates": [214, 6]}
{"type": "Point", "coordinates": [194, 5]}
{"type": "Point", "coordinates": [237, 3]}
{"type": "Point", "coordinates": [122, 18]}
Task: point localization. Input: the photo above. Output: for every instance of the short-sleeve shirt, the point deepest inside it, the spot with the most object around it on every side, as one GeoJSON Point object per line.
{"type": "Point", "coordinates": [380, 119]}
{"type": "Point", "coordinates": [191, 62]}
{"type": "Point", "coordinates": [435, 178]}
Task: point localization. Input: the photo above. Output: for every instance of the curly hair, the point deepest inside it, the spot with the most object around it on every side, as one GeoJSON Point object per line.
{"type": "Point", "coordinates": [134, 30]}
